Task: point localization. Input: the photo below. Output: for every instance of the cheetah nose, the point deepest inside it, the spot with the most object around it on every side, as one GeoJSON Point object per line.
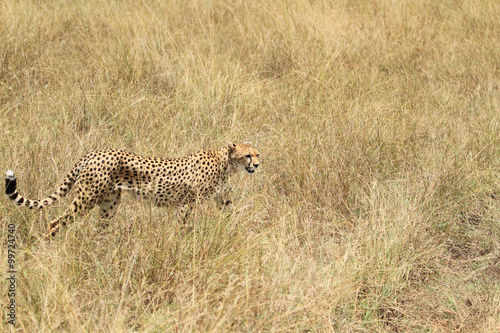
{"type": "Point", "coordinates": [256, 164]}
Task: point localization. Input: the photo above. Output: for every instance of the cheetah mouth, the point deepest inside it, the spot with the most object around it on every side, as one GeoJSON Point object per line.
{"type": "Point", "coordinates": [249, 170]}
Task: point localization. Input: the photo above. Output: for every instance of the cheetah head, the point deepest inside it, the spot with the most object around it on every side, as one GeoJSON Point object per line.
{"type": "Point", "coordinates": [243, 157]}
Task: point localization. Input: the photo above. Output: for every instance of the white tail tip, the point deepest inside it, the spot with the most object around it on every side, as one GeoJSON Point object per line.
{"type": "Point", "coordinates": [10, 174]}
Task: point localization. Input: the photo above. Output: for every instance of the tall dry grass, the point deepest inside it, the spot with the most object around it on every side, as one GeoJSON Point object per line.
{"type": "Point", "coordinates": [377, 206]}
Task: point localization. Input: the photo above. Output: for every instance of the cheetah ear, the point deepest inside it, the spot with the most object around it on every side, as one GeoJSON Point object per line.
{"type": "Point", "coordinates": [231, 147]}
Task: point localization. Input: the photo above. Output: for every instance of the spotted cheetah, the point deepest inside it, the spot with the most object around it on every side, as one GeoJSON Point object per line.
{"type": "Point", "coordinates": [102, 175]}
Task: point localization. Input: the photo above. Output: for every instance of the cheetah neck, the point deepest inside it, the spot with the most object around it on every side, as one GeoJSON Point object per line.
{"type": "Point", "coordinates": [225, 161]}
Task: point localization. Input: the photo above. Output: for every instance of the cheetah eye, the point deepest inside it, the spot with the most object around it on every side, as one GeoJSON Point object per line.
{"type": "Point", "coordinates": [248, 156]}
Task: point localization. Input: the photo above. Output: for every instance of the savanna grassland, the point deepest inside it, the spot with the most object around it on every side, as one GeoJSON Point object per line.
{"type": "Point", "coordinates": [377, 205]}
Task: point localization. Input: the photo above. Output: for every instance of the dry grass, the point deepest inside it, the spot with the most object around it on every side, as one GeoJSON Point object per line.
{"type": "Point", "coordinates": [377, 207]}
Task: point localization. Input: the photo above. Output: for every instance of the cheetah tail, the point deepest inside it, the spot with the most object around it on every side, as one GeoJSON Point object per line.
{"type": "Point", "coordinates": [11, 191]}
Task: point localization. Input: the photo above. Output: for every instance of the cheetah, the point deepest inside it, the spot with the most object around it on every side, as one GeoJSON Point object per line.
{"type": "Point", "coordinates": [102, 175]}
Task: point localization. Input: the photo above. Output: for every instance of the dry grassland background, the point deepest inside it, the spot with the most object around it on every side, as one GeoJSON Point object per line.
{"type": "Point", "coordinates": [377, 207]}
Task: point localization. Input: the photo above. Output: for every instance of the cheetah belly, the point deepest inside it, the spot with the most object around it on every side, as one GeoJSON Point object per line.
{"type": "Point", "coordinates": [161, 193]}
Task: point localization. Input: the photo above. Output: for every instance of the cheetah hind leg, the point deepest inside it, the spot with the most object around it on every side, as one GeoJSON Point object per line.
{"type": "Point", "coordinates": [108, 207]}
{"type": "Point", "coordinates": [66, 218]}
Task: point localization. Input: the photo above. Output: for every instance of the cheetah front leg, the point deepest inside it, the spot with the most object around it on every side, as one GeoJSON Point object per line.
{"type": "Point", "coordinates": [182, 212]}
{"type": "Point", "coordinates": [223, 199]}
